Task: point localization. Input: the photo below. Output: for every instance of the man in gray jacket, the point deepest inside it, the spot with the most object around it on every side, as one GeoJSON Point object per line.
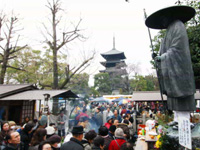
{"type": "Point", "coordinates": [61, 124]}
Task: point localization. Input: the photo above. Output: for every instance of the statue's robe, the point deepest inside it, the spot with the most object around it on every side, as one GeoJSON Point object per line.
{"type": "Point", "coordinates": [177, 77]}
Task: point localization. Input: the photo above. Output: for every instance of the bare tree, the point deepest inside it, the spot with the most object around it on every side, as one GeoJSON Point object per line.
{"type": "Point", "coordinates": [132, 71]}
{"type": "Point", "coordinates": [8, 37]}
{"type": "Point", "coordinates": [56, 44]}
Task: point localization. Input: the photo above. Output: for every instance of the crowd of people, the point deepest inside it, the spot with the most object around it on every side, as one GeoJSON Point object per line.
{"type": "Point", "coordinates": [89, 132]}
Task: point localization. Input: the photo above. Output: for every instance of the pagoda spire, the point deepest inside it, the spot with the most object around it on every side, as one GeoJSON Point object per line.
{"type": "Point", "coordinates": [113, 41]}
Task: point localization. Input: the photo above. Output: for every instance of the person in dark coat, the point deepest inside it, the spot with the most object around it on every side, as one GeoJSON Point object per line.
{"type": "Point", "coordinates": [38, 136]}
{"type": "Point", "coordinates": [103, 132]}
{"type": "Point", "coordinates": [5, 128]}
{"type": "Point", "coordinates": [111, 131]}
{"type": "Point", "coordinates": [75, 141]}
{"type": "Point", "coordinates": [89, 137]}
{"type": "Point", "coordinates": [26, 135]}
{"type": "Point", "coordinates": [126, 146]}
{"type": "Point", "coordinates": [55, 141]}
{"type": "Point", "coordinates": [98, 117]}
{"type": "Point", "coordinates": [13, 140]}
{"type": "Point", "coordinates": [98, 143]}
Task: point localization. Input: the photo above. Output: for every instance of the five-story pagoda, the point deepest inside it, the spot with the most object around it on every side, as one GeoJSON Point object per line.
{"type": "Point", "coordinates": [114, 63]}
{"type": "Point", "coordinates": [115, 67]}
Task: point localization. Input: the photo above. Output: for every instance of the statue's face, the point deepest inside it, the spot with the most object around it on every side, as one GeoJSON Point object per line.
{"type": "Point", "coordinates": [166, 21]}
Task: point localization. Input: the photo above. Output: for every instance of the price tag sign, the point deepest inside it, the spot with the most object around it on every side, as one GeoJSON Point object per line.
{"type": "Point", "coordinates": [184, 132]}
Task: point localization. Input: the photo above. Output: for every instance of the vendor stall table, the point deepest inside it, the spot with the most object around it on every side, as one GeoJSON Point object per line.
{"type": "Point", "coordinates": [141, 144]}
{"type": "Point", "coordinates": [150, 141]}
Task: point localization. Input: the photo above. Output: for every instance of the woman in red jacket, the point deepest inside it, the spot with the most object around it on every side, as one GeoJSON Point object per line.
{"type": "Point", "coordinates": [109, 122]}
{"type": "Point", "coordinates": [116, 143]}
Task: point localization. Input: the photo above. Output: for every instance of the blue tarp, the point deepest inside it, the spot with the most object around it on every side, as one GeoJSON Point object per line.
{"type": "Point", "coordinates": [99, 99]}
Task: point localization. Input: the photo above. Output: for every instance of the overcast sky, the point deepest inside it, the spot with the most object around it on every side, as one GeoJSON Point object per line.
{"type": "Point", "coordinates": [101, 20]}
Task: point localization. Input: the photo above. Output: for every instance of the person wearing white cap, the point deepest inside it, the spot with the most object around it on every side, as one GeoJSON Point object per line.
{"type": "Point", "coordinates": [50, 131]}
{"type": "Point", "coordinates": [116, 143]}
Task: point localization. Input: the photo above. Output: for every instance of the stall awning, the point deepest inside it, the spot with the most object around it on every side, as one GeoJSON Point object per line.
{"type": "Point", "coordinates": [147, 96]}
{"type": "Point", "coordinates": [153, 96]}
{"type": "Point", "coordinates": [39, 95]}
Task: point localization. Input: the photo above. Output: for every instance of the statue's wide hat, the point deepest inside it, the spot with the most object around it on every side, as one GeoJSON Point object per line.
{"type": "Point", "coordinates": [183, 13]}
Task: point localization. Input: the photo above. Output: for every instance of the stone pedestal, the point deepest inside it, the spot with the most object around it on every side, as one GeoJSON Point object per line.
{"type": "Point", "coordinates": [195, 134]}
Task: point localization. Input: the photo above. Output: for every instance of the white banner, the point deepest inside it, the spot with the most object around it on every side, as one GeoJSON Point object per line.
{"type": "Point", "coordinates": [184, 132]}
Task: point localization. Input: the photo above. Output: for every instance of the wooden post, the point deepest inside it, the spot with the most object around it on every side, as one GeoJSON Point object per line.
{"type": "Point", "coordinates": [134, 122]}
{"type": "Point", "coordinates": [143, 118]}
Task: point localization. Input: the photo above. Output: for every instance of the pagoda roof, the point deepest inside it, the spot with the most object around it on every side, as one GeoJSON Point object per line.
{"type": "Point", "coordinates": [114, 70]}
{"type": "Point", "coordinates": [113, 63]}
{"type": "Point", "coordinates": [113, 53]}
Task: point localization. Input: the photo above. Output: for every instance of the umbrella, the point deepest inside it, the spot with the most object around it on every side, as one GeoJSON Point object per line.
{"type": "Point", "coordinates": [124, 101]}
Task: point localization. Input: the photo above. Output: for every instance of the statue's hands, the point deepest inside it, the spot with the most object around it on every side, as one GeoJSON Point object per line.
{"type": "Point", "coordinates": [153, 55]}
{"type": "Point", "coordinates": [158, 58]}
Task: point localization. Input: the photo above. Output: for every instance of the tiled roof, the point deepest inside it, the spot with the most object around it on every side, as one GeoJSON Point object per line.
{"type": "Point", "coordinates": [4, 88]}
{"type": "Point", "coordinates": [39, 95]}
{"type": "Point", "coordinates": [8, 89]}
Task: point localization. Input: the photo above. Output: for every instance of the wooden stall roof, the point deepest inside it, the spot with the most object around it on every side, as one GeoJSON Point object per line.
{"type": "Point", "coordinates": [10, 89]}
{"type": "Point", "coordinates": [39, 95]}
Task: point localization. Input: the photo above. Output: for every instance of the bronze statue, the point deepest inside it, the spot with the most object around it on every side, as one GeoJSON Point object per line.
{"type": "Point", "coordinates": [177, 78]}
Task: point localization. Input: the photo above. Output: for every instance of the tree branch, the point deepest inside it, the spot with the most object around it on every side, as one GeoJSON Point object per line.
{"type": "Point", "coordinates": [11, 57]}
{"type": "Point", "coordinates": [18, 49]}
{"type": "Point", "coordinates": [15, 68]}
{"type": "Point", "coordinates": [44, 85]}
{"type": "Point", "coordinates": [68, 79]}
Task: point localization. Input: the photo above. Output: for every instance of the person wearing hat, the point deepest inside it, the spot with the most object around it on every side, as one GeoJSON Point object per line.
{"type": "Point", "coordinates": [42, 122]}
{"type": "Point", "coordinates": [75, 141]}
{"type": "Point", "coordinates": [50, 131]}
{"type": "Point", "coordinates": [174, 60]}
{"type": "Point", "coordinates": [109, 122]}
{"type": "Point", "coordinates": [116, 143]}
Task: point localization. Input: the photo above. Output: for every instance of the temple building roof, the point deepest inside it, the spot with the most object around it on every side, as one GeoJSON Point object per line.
{"type": "Point", "coordinates": [114, 70]}
{"type": "Point", "coordinates": [113, 63]}
{"type": "Point", "coordinates": [113, 53]}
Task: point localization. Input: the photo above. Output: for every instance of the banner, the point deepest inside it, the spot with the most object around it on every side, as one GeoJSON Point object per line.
{"type": "Point", "coordinates": [184, 132]}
